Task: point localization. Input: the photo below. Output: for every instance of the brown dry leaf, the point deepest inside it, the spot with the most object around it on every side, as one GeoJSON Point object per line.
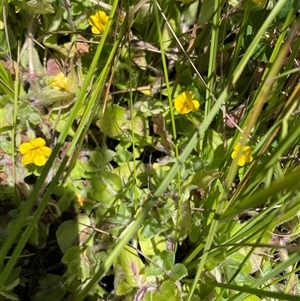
{"type": "Point", "coordinates": [9, 66]}
{"type": "Point", "coordinates": [236, 115]}
{"type": "Point", "coordinates": [3, 177]}
{"type": "Point", "coordinates": [256, 259]}
{"type": "Point", "coordinates": [81, 46]}
{"type": "Point", "coordinates": [165, 143]}
{"type": "Point", "coordinates": [53, 67]}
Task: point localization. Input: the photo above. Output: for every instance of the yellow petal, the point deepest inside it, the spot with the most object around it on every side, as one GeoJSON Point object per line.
{"type": "Point", "coordinates": [59, 82]}
{"type": "Point", "coordinates": [95, 30]}
{"type": "Point", "coordinates": [98, 22]}
{"type": "Point", "coordinates": [40, 160]}
{"type": "Point", "coordinates": [233, 155]}
{"type": "Point", "coordinates": [80, 200]}
{"type": "Point", "coordinates": [241, 161]}
{"type": "Point", "coordinates": [248, 158]}
{"type": "Point", "coordinates": [147, 92]}
{"type": "Point", "coordinates": [60, 76]}
{"type": "Point", "coordinates": [102, 18]}
{"type": "Point", "coordinates": [237, 147]}
{"type": "Point", "coordinates": [93, 20]}
{"type": "Point", "coordinates": [196, 105]}
{"type": "Point", "coordinates": [38, 142]}
{"type": "Point", "coordinates": [28, 158]}
{"type": "Point", "coordinates": [247, 150]}
{"type": "Point", "coordinates": [24, 148]}
{"type": "Point", "coordinates": [180, 105]}
{"type": "Point", "coordinates": [101, 15]}
{"type": "Point", "coordinates": [45, 150]}
{"type": "Point", "coordinates": [155, 166]}
{"type": "Point", "coordinates": [188, 95]}
{"type": "Point", "coordinates": [185, 103]}
{"type": "Point", "coordinates": [245, 155]}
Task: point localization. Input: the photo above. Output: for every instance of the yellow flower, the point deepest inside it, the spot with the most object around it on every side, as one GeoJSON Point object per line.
{"type": "Point", "coordinates": [98, 22]}
{"type": "Point", "coordinates": [60, 82]}
{"type": "Point", "coordinates": [245, 155]}
{"type": "Point", "coordinates": [185, 103]}
{"type": "Point", "coordinates": [155, 166]}
{"type": "Point", "coordinates": [35, 152]}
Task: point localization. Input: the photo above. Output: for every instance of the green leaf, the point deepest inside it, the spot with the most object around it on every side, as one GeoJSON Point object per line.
{"type": "Point", "coordinates": [150, 228]}
{"type": "Point", "coordinates": [36, 7]}
{"type": "Point", "coordinates": [5, 109]}
{"type": "Point", "coordinates": [114, 121]}
{"type": "Point", "coordinates": [3, 41]}
{"type": "Point", "coordinates": [9, 296]}
{"type": "Point", "coordinates": [152, 246]}
{"type": "Point", "coordinates": [103, 157]}
{"type": "Point", "coordinates": [49, 95]}
{"type": "Point", "coordinates": [121, 285]}
{"type": "Point", "coordinates": [33, 59]}
{"type": "Point", "coordinates": [140, 125]}
{"type": "Point", "coordinates": [167, 291]}
{"type": "Point", "coordinates": [29, 114]}
{"type": "Point", "coordinates": [122, 155]}
{"type": "Point", "coordinates": [133, 267]}
{"type": "Point", "coordinates": [81, 262]}
{"type": "Point", "coordinates": [126, 171]}
{"type": "Point", "coordinates": [53, 293]}
{"type": "Point", "coordinates": [232, 263]}
{"type": "Point", "coordinates": [285, 10]}
{"type": "Point", "coordinates": [200, 179]}
{"type": "Point", "coordinates": [168, 258]}
{"type": "Point", "coordinates": [13, 279]}
{"type": "Point", "coordinates": [107, 187]}
{"type": "Point", "coordinates": [178, 271]}
{"type": "Point", "coordinates": [151, 107]}
{"type": "Point", "coordinates": [206, 13]}
{"type": "Point", "coordinates": [251, 298]}
{"type": "Point", "coordinates": [55, 20]}
{"type": "Point", "coordinates": [195, 233]}
{"type": "Point", "coordinates": [12, 282]}
{"type": "Point", "coordinates": [39, 235]}
{"type": "Point", "coordinates": [6, 83]}
{"type": "Point", "coordinates": [185, 217]}
{"type": "Point", "coordinates": [66, 235]}
{"type": "Point", "coordinates": [211, 146]}
{"type": "Point", "coordinates": [50, 288]}
{"type": "Point", "coordinates": [67, 198]}
{"type": "Point", "coordinates": [63, 120]}
{"type": "Point", "coordinates": [154, 269]}
{"type": "Point", "coordinates": [70, 232]}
